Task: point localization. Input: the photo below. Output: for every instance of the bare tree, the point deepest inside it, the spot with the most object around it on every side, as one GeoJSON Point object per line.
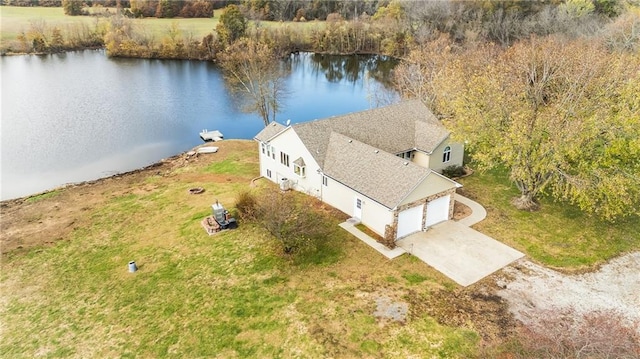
{"type": "Point", "coordinates": [253, 71]}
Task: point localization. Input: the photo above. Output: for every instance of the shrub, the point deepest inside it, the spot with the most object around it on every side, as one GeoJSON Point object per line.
{"type": "Point", "coordinates": [568, 334]}
{"type": "Point", "coordinates": [246, 204]}
{"type": "Point", "coordinates": [453, 171]}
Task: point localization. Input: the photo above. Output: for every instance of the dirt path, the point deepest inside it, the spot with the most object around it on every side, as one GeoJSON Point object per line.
{"type": "Point", "coordinates": [531, 289]}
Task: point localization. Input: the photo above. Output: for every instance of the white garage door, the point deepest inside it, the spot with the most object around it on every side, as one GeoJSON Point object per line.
{"type": "Point", "coordinates": [437, 211]}
{"type": "Point", "coordinates": [410, 221]}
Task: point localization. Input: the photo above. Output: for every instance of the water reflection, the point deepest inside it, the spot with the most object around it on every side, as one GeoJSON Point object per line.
{"type": "Point", "coordinates": [352, 68]}
{"type": "Point", "coordinates": [78, 116]}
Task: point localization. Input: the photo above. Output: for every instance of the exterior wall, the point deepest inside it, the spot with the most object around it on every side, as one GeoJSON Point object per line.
{"type": "Point", "coordinates": [289, 143]}
{"type": "Point", "coordinates": [457, 155]}
{"type": "Point", "coordinates": [432, 185]}
{"type": "Point", "coordinates": [421, 159]}
{"type": "Point", "coordinates": [374, 215]}
{"type": "Point", "coordinates": [423, 201]}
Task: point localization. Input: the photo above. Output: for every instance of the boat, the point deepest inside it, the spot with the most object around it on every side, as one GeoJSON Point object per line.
{"type": "Point", "coordinates": [214, 135]}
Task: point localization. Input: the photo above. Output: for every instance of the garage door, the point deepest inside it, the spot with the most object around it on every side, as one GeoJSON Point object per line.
{"type": "Point", "coordinates": [437, 211]}
{"type": "Point", "coordinates": [410, 221]}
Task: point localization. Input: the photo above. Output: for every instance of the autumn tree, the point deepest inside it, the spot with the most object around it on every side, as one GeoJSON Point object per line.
{"type": "Point", "coordinates": [255, 73]}
{"type": "Point", "coordinates": [562, 117]}
{"type": "Point", "coordinates": [72, 7]}
{"type": "Point", "coordinates": [232, 26]}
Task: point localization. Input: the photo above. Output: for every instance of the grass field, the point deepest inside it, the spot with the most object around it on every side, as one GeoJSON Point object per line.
{"type": "Point", "coordinates": [234, 294]}
{"type": "Point", "coordinates": [16, 19]}
{"type": "Point", "coordinates": [229, 295]}
{"type": "Point", "coordinates": [559, 235]}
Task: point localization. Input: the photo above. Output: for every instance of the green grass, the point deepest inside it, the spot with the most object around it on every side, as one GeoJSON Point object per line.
{"type": "Point", "coordinates": [558, 235]}
{"type": "Point", "coordinates": [233, 294]}
{"type": "Point", "coordinates": [16, 19]}
{"type": "Point", "coordinates": [40, 197]}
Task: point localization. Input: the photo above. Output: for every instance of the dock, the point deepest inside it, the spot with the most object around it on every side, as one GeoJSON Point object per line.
{"type": "Point", "coordinates": [214, 135]}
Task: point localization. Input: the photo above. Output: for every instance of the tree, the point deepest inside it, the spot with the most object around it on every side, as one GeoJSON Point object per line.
{"type": "Point", "coordinates": [253, 71]}
{"type": "Point", "coordinates": [287, 216]}
{"type": "Point", "coordinates": [232, 26]}
{"type": "Point", "coordinates": [548, 111]}
{"type": "Point", "coordinates": [562, 118]}
{"type": "Point", "coordinates": [72, 7]}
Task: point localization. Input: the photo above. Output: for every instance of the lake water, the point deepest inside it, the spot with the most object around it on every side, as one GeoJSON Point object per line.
{"type": "Point", "coordinates": [79, 116]}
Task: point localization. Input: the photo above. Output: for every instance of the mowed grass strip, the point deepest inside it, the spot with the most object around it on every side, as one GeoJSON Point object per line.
{"type": "Point", "coordinates": [233, 294]}
{"type": "Point", "coordinates": [558, 235]}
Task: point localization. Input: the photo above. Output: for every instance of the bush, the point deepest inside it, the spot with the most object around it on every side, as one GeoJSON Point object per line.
{"type": "Point", "coordinates": [288, 216]}
{"type": "Point", "coordinates": [568, 334]}
{"type": "Point", "coordinates": [454, 171]}
{"type": "Point", "coordinates": [246, 204]}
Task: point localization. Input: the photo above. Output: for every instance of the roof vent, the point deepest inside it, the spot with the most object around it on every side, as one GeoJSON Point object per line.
{"type": "Point", "coordinates": [376, 151]}
{"type": "Point", "coordinates": [350, 141]}
{"type": "Point", "coordinates": [406, 163]}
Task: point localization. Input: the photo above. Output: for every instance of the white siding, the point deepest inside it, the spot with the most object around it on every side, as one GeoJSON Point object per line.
{"type": "Point", "coordinates": [289, 143]}
{"type": "Point", "coordinates": [421, 159]}
{"type": "Point", "coordinates": [374, 215]}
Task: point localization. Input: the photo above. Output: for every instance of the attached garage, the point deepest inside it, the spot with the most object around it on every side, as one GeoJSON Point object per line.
{"type": "Point", "coordinates": [410, 221]}
{"type": "Point", "coordinates": [437, 211]}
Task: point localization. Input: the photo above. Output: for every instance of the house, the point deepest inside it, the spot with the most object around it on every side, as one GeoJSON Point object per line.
{"type": "Point", "coordinates": [380, 166]}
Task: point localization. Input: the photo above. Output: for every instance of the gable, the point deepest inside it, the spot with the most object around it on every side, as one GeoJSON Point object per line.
{"type": "Point", "coordinates": [431, 185]}
{"type": "Point", "coordinates": [269, 132]}
{"type": "Point", "coordinates": [379, 175]}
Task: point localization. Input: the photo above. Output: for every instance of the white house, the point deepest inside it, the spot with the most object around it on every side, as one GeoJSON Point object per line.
{"type": "Point", "coordinates": [380, 166]}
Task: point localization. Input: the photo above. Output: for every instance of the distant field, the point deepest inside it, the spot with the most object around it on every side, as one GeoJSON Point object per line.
{"type": "Point", "coordinates": [16, 19]}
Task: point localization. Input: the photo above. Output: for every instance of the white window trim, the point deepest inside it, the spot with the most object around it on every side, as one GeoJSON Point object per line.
{"type": "Point", "coordinates": [446, 154]}
{"type": "Point", "coordinates": [301, 171]}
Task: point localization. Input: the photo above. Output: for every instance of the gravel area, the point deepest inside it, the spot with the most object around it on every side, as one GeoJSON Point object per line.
{"type": "Point", "coordinates": [530, 289]}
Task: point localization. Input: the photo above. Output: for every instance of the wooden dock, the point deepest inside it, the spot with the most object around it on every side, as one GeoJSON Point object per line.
{"type": "Point", "coordinates": [214, 135]}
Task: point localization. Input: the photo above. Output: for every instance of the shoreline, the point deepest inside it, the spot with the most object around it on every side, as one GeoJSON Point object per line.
{"type": "Point", "coordinates": [157, 164]}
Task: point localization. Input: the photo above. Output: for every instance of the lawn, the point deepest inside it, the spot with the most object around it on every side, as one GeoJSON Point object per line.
{"type": "Point", "coordinates": [66, 289]}
{"type": "Point", "coordinates": [233, 294]}
{"type": "Point", "coordinates": [558, 235]}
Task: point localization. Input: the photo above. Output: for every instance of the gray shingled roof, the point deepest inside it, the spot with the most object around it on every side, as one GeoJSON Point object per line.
{"type": "Point", "coordinates": [394, 129]}
{"type": "Point", "coordinates": [269, 131]}
{"type": "Point", "coordinates": [379, 175]}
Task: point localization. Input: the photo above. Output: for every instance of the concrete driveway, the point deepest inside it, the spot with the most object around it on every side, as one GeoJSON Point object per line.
{"type": "Point", "coordinates": [461, 253]}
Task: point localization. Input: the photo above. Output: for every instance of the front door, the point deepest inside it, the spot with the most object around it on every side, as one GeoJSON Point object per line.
{"type": "Point", "coordinates": [357, 209]}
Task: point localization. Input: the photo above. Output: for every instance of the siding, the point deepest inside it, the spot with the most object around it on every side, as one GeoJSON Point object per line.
{"type": "Point", "coordinates": [374, 215]}
{"type": "Point", "coordinates": [457, 155]}
{"type": "Point", "coordinates": [289, 143]}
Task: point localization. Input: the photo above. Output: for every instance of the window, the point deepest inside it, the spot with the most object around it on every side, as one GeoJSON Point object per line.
{"type": "Point", "coordinates": [268, 150]}
{"type": "Point", "coordinates": [264, 148]}
{"type": "Point", "coordinates": [325, 181]}
{"type": "Point", "coordinates": [446, 154]}
{"type": "Point", "coordinates": [406, 155]}
{"type": "Point", "coordinates": [273, 153]}
{"type": "Point", "coordinates": [284, 159]}
{"type": "Point", "coordinates": [299, 167]}
{"type": "Point", "coordinates": [359, 203]}
{"type": "Point", "coordinates": [269, 173]}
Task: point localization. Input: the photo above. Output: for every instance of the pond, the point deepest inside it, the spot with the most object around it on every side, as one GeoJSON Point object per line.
{"type": "Point", "coordinates": [80, 116]}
